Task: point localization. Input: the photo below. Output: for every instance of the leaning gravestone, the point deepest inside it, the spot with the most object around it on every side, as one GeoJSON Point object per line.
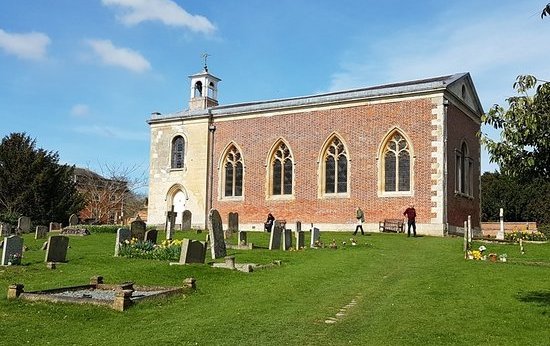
{"type": "Point", "coordinates": [233, 222]}
{"type": "Point", "coordinates": [12, 250]}
{"type": "Point", "coordinates": [287, 239]}
{"type": "Point", "coordinates": [137, 228]}
{"type": "Point", "coordinates": [56, 251]}
{"type": "Point", "coordinates": [300, 240]}
{"type": "Point", "coordinates": [215, 230]}
{"type": "Point", "coordinates": [55, 226]}
{"type": "Point", "coordinates": [151, 236]}
{"type": "Point", "coordinates": [186, 220]}
{"type": "Point", "coordinates": [315, 236]}
{"type": "Point", "coordinates": [192, 251]}
{"type": "Point", "coordinates": [24, 224]}
{"type": "Point", "coordinates": [275, 236]}
{"type": "Point", "coordinates": [122, 235]}
{"type": "Point", "coordinates": [73, 220]}
{"type": "Point", "coordinates": [41, 232]}
{"type": "Point", "coordinates": [298, 226]}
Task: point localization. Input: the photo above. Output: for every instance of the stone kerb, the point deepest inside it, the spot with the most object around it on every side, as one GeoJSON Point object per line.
{"type": "Point", "coordinates": [215, 230]}
{"type": "Point", "coordinates": [12, 250]}
{"type": "Point", "coordinates": [56, 250]}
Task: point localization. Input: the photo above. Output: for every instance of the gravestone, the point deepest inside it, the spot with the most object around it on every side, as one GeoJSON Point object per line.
{"type": "Point", "coordinates": [24, 224]}
{"type": "Point", "coordinates": [151, 236]}
{"type": "Point", "coordinates": [233, 223]}
{"type": "Point", "coordinates": [300, 240]}
{"type": "Point", "coordinates": [13, 247]}
{"type": "Point", "coordinates": [56, 250]}
{"type": "Point", "coordinates": [170, 225]}
{"type": "Point", "coordinates": [186, 220]}
{"type": "Point", "coordinates": [122, 234]}
{"type": "Point", "coordinates": [41, 232]}
{"type": "Point", "coordinates": [242, 238]}
{"type": "Point", "coordinates": [287, 239]}
{"type": "Point", "coordinates": [5, 229]}
{"type": "Point", "coordinates": [275, 236]}
{"type": "Point", "coordinates": [55, 226]}
{"type": "Point", "coordinates": [298, 226]}
{"type": "Point", "coordinates": [215, 230]}
{"type": "Point", "coordinates": [73, 220]}
{"type": "Point", "coordinates": [192, 251]}
{"type": "Point", "coordinates": [137, 228]}
{"type": "Point", "coordinates": [315, 236]}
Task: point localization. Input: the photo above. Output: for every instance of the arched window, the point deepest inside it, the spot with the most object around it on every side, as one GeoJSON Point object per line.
{"type": "Point", "coordinates": [397, 164]}
{"type": "Point", "coordinates": [464, 171]}
{"type": "Point", "coordinates": [178, 147]}
{"type": "Point", "coordinates": [335, 167]}
{"type": "Point", "coordinates": [198, 89]}
{"type": "Point", "coordinates": [233, 173]}
{"type": "Point", "coordinates": [281, 171]}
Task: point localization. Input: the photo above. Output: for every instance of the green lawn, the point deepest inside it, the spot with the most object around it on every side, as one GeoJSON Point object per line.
{"type": "Point", "coordinates": [407, 291]}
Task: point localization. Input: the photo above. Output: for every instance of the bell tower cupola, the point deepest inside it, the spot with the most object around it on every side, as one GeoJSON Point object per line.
{"type": "Point", "coordinates": [204, 89]}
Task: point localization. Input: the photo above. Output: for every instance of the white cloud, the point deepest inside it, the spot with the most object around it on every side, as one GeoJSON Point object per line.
{"type": "Point", "coordinates": [30, 46]}
{"type": "Point", "coordinates": [116, 56]}
{"type": "Point", "coordinates": [111, 132]}
{"type": "Point", "coordinates": [166, 11]}
{"type": "Point", "coordinates": [80, 110]}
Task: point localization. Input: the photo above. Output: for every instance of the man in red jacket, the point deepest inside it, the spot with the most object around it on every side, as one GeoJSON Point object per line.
{"type": "Point", "coordinates": [410, 213]}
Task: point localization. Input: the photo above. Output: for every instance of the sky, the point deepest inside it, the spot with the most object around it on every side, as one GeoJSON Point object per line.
{"type": "Point", "coordinates": [83, 77]}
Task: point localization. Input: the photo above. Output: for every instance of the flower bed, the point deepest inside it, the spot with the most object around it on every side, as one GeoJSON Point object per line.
{"type": "Point", "coordinates": [168, 250]}
{"type": "Point", "coordinates": [525, 235]}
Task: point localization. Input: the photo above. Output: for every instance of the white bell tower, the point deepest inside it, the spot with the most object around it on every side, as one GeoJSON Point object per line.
{"type": "Point", "coordinates": [204, 89]}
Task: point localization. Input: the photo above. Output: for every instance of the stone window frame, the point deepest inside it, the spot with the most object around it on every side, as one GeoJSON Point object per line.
{"type": "Point", "coordinates": [231, 147]}
{"type": "Point", "coordinates": [323, 168]}
{"type": "Point", "coordinates": [381, 163]}
{"type": "Point", "coordinates": [173, 151]}
{"type": "Point", "coordinates": [276, 154]}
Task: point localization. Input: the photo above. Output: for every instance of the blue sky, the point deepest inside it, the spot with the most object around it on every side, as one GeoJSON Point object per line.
{"type": "Point", "coordinates": [82, 77]}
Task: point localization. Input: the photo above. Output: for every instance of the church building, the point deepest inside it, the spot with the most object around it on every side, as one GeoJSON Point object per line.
{"type": "Point", "coordinates": [315, 158]}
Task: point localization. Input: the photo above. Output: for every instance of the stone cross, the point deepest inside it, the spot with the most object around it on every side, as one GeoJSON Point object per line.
{"type": "Point", "coordinates": [170, 223]}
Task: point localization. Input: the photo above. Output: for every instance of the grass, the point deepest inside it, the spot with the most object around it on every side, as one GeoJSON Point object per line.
{"type": "Point", "coordinates": [408, 291]}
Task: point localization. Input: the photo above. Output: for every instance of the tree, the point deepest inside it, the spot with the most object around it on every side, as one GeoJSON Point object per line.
{"type": "Point", "coordinates": [524, 147]}
{"type": "Point", "coordinates": [110, 196]}
{"type": "Point", "coordinates": [33, 183]}
{"type": "Point", "coordinates": [521, 200]}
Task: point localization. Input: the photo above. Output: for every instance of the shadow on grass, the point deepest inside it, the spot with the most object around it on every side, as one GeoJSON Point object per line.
{"type": "Point", "coordinates": [541, 298]}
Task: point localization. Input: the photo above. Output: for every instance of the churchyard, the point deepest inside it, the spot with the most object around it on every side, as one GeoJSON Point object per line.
{"type": "Point", "coordinates": [385, 290]}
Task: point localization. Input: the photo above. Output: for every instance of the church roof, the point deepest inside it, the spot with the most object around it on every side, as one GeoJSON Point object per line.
{"type": "Point", "coordinates": [441, 83]}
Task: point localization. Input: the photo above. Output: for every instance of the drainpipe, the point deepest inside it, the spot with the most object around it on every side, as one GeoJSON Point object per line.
{"type": "Point", "coordinates": [209, 168]}
{"type": "Point", "coordinates": [445, 171]}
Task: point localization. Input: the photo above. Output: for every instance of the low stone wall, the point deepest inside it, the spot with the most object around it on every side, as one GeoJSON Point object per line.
{"type": "Point", "coordinates": [490, 229]}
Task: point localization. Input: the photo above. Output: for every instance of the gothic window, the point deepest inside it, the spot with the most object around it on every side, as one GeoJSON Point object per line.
{"type": "Point", "coordinates": [463, 171]}
{"type": "Point", "coordinates": [178, 147]}
{"type": "Point", "coordinates": [335, 168]}
{"type": "Point", "coordinates": [397, 164]}
{"type": "Point", "coordinates": [281, 171]}
{"type": "Point", "coordinates": [233, 173]}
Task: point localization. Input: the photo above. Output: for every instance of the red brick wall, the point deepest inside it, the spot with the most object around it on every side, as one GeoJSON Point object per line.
{"type": "Point", "coordinates": [362, 128]}
{"type": "Point", "coordinates": [462, 128]}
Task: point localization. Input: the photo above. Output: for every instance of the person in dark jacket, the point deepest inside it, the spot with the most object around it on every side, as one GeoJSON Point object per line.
{"type": "Point", "coordinates": [410, 213]}
{"type": "Point", "coordinates": [269, 223]}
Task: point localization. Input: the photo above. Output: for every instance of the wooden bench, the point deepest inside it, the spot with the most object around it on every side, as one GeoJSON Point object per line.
{"type": "Point", "coordinates": [391, 225]}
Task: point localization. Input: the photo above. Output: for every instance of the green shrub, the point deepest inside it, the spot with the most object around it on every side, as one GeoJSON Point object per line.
{"type": "Point", "coordinates": [545, 229]}
{"type": "Point", "coordinates": [101, 228]}
{"type": "Point", "coordinates": [525, 235]}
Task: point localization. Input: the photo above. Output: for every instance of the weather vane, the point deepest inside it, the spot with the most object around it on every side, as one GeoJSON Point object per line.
{"type": "Point", "coordinates": [205, 57]}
